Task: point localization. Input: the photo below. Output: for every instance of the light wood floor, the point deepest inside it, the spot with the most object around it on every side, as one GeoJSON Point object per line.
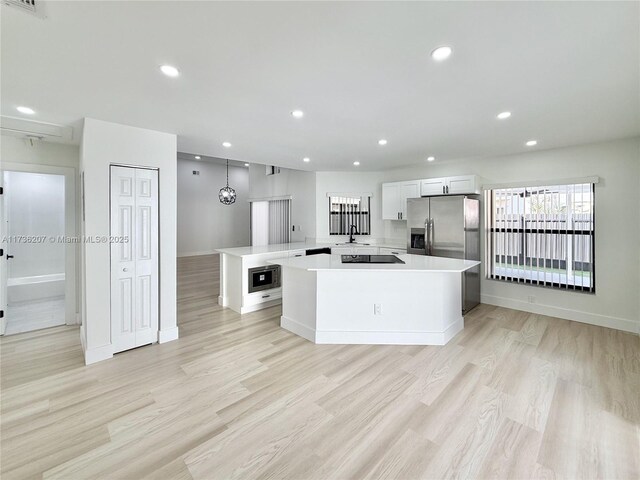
{"type": "Point", "coordinates": [513, 396]}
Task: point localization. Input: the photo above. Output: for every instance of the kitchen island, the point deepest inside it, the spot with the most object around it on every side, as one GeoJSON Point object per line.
{"type": "Point", "coordinates": [237, 291]}
{"type": "Point", "coordinates": [417, 302]}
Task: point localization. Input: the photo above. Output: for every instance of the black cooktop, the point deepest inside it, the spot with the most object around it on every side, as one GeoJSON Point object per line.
{"type": "Point", "coordinates": [370, 259]}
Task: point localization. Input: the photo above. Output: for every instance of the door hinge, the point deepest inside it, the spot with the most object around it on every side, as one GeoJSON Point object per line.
{"type": "Point", "coordinates": [1, 252]}
{"type": "Point", "coordinates": [1, 313]}
{"type": "Point", "coordinates": [1, 190]}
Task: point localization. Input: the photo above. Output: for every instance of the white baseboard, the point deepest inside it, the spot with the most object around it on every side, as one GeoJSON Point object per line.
{"type": "Point", "coordinates": [3, 325]}
{"type": "Point", "coordinates": [84, 346]}
{"type": "Point", "coordinates": [169, 335]}
{"type": "Point", "coordinates": [223, 301]}
{"type": "Point", "coordinates": [343, 337]}
{"type": "Point", "coordinates": [380, 338]}
{"type": "Point", "coordinates": [565, 313]}
{"type": "Point", "coordinates": [258, 306]}
{"type": "Point", "coordinates": [297, 328]}
{"type": "Point", "coordinates": [98, 354]}
{"type": "Point", "coordinates": [196, 254]}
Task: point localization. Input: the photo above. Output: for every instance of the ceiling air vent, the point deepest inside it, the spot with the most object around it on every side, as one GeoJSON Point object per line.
{"type": "Point", "coordinates": [25, 5]}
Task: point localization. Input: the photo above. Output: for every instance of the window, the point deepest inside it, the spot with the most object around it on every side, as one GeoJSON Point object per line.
{"type": "Point", "coordinates": [542, 235]}
{"type": "Point", "coordinates": [346, 211]}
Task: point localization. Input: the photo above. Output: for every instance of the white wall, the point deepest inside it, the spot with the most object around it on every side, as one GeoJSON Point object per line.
{"type": "Point", "coordinates": [302, 188]}
{"type": "Point", "coordinates": [103, 144]}
{"type": "Point", "coordinates": [204, 223]}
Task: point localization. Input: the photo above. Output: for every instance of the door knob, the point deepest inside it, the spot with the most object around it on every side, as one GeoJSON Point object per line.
{"type": "Point", "coordinates": [125, 269]}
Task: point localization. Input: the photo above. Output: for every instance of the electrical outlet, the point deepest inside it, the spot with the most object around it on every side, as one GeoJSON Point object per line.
{"type": "Point", "coordinates": [377, 309]}
{"type": "Point", "coordinates": [532, 299]}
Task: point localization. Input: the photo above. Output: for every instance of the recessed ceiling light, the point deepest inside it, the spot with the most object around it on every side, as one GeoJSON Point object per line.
{"type": "Point", "coordinates": [503, 115]}
{"type": "Point", "coordinates": [169, 70]}
{"type": "Point", "coordinates": [197, 157]}
{"type": "Point", "coordinates": [226, 144]}
{"type": "Point", "coordinates": [441, 53]}
{"type": "Point", "coordinates": [532, 143]}
{"type": "Point", "coordinates": [430, 159]}
{"type": "Point", "coordinates": [382, 141]}
{"type": "Point", "coordinates": [356, 163]}
{"type": "Point", "coordinates": [297, 113]}
{"type": "Point", "coordinates": [306, 159]}
{"type": "Point", "coordinates": [246, 164]}
{"type": "Point", "coordinates": [26, 110]}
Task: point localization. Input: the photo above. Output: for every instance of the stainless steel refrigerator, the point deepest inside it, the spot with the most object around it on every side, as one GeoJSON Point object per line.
{"type": "Point", "coordinates": [448, 226]}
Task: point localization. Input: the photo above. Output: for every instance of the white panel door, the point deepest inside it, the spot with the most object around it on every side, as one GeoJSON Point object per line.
{"type": "Point", "coordinates": [134, 262]}
{"type": "Point", "coordinates": [3, 261]}
{"type": "Point", "coordinates": [146, 257]}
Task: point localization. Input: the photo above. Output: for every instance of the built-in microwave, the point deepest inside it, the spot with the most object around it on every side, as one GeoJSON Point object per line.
{"type": "Point", "coordinates": [264, 278]}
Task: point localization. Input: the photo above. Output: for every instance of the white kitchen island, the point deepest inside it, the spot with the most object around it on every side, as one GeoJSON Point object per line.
{"type": "Point", "coordinates": [415, 303]}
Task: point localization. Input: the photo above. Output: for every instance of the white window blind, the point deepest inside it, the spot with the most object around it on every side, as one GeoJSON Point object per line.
{"type": "Point", "coordinates": [346, 211]}
{"type": "Point", "coordinates": [279, 221]}
{"type": "Point", "coordinates": [542, 235]}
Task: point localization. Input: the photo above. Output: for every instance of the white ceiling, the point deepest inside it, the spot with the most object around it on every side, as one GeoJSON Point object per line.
{"type": "Point", "coordinates": [569, 72]}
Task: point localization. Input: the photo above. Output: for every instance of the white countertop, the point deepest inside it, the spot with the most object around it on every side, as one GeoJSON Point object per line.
{"type": "Point", "coordinates": [413, 263]}
{"type": "Point", "coordinates": [287, 247]}
{"type": "Point", "coordinates": [279, 247]}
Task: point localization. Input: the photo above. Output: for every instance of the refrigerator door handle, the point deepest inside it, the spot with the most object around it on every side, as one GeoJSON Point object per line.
{"type": "Point", "coordinates": [427, 227]}
{"type": "Point", "coordinates": [431, 236]}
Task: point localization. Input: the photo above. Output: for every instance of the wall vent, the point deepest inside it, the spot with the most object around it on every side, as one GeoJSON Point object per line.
{"type": "Point", "coordinates": [26, 6]}
{"type": "Point", "coordinates": [272, 170]}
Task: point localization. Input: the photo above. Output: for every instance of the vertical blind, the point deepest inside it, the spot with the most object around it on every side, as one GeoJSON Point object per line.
{"type": "Point", "coordinates": [279, 221]}
{"type": "Point", "coordinates": [542, 235]}
{"type": "Point", "coordinates": [347, 211]}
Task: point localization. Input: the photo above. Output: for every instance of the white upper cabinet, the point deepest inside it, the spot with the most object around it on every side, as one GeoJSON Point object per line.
{"type": "Point", "coordinates": [432, 186]}
{"type": "Point", "coordinates": [394, 198]}
{"type": "Point", "coordinates": [461, 184]}
{"type": "Point", "coordinates": [391, 201]}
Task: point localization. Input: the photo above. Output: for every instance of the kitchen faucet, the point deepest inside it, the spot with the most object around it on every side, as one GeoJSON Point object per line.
{"type": "Point", "coordinates": [351, 227]}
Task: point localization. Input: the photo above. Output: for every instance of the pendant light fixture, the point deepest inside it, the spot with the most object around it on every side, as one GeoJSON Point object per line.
{"type": "Point", "coordinates": [227, 194]}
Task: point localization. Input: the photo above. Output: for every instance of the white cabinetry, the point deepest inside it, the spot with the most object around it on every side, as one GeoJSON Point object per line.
{"type": "Point", "coordinates": [394, 198]}
{"type": "Point", "coordinates": [461, 184]}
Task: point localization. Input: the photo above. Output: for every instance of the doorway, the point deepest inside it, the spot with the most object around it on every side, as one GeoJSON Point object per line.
{"type": "Point", "coordinates": [38, 247]}
{"type": "Point", "coordinates": [34, 213]}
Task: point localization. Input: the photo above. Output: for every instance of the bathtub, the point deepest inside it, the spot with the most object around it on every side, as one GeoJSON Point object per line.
{"type": "Point", "coordinates": [38, 287]}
